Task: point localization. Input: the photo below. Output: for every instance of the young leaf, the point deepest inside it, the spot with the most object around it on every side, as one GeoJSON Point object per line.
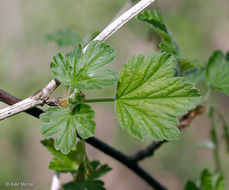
{"type": "Point", "coordinates": [195, 75]}
{"type": "Point", "coordinates": [156, 21]}
{"type": "Point", "coordinates": [99, 170]}
{"type": "Point", "coordinates": [191, 186]}
{"type": "Point", "coordinates": [149, 97]}
{"type": "Point", "coordinates": [168, 44]}
{"type": "Point", "coordinates": [88, 185]}
{"type": "Point", "coordinates": [64, 68]}
{"type": "Point", "coordinates": [84, 71]}
{"type": "Point", "coordinates": [65, 123]}
{"type": "Point", "coordinates": [217, 72]}
{"type": "Point", "coordinates": [91, 182]}
{"type": "Point", "coordinates": [62, 162]}
{"type": "Point", "coordinates": [64, 38]}
{"type": "Point", "coordinates": [187, 64]}
{"type": "Point", "coordinates": [207, 182]}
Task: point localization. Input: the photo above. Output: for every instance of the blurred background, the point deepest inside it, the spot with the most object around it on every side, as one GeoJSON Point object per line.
{"type": "Point", "coordinates": [199, 28]}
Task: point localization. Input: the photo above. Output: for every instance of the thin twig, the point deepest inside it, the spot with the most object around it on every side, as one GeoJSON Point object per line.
{"type": "Point", "coordinates": [185, 120]}
{"type": "Point", "coordinates": [42, 95]}
{"type": "Point", "coordinates": [98, 144]}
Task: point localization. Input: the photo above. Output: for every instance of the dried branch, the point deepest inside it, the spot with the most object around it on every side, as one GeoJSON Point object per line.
{"type": "Point", "coordinates": [41, 96]}
{"type": "Point", "coordinates": [185, 120]}
{"type": "Point", "coordinates": [37, 99]}
{"type": "Point", "coordinates": [98, 144]}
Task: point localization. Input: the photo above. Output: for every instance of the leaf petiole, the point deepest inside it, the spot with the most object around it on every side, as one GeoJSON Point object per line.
{"type": "Point", "coordinates": [98, 100]}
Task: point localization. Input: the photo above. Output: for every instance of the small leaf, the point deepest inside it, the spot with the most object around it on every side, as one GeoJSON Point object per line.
{"type": "Point", "coordinates": [187, 64]}
{"type": "Point", "coordinates": [65, 123]}
{"type": "Point", "coordinates": [64, 38]}
{"type": "Point", "coordinates": [91, 182]}
{"type": "Point", "coordinates": [84, 71]}
{"type": "Point", "coordinates": [191, 186]}
{"type": "Point", "coordinates": [88, 185]}
{"type": "Point", "coordinates": [168, 44]}
{"type": "Point", "coordinates": [168, 47]}
{"type": "Point", "coordinates": [149, 97]}
{"type": "Point", "coordinates": [62, 162]}
{"type": "Point", "coordinates": [156, 21]}
{"type": "Point", "coordinates": [207, 182]}
{"type": "Point", "coordinates": [217, 72]}
{"type": "Point", "coordinates": [195, 75]}
{"type": "Point", "coordinates": [99, 171]}
{"type": "Point", "coordinates": [218, 182]}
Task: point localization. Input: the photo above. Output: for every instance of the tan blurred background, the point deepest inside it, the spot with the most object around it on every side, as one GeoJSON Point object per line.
{"type": "Point", "coordinates": [199, 27]}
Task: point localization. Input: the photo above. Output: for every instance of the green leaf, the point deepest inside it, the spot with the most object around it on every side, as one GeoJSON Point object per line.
{"type": "Point", "coordinates": [156, 21]}
{"type": "Point", "coordinates": [191, 186]}
{"type": "Point", "coordinates": [64, 38]}
{"type": "Point", "coordinates": [91, 182]}
{"type": "Point", "coordinates": [217, 72]}
{"type": "Point", "coordinates": [195, 75]}
{"type": "Point", "coordinates": [207, 182]}
{"type": "Point", "coordinates": [150, 98]}
{"type": "Point", "coordinates": [186, 64]}
{"type": "Point", "coordinates": [84, 71]}
{"type": "Point", "coordinates": [62, 162]}
{"type": "Point", "coordinates": [218, 182]}
{"type": "Point", "coordinates": [168, 47]}
{"type": "Point", "coordinates": [168, 44]}
{"type": "Point", "coordinates": [99, 171]}
{"type": "Point", "coordinates": [64, 68]}
{"type": "Point", "coordinates": [65, 123]}
{"type": "Point", "coordinates": [88, 185]}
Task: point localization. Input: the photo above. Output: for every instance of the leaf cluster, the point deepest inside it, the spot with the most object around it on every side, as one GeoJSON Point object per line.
{"type": "Point", "coordinates": [84, 172]}
{"type": "Point", "coordinates": [207, 182]}
{"type": "Point", "coordinates": [168, 44]}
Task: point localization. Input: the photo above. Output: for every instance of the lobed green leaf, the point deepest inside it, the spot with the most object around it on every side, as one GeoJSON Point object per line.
{"type": "Point", "coordinates": [217, 72]}
{"type": "Point", "coordinates": [84, 71]}
{"type": "Point", "coordinates": [149, 97]}
{"type": "Point", "coordinates": [65, 123]}
{"type": "Point", "coordinates": [207, 182]}
{"type": "Point", "coordinates": [62, 162]}
{"type": "Point", "coordinates": [156, 21]}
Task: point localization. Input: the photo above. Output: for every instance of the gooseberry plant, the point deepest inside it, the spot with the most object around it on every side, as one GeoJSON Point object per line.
{"type": "Point", "coordinates": [155, 96]}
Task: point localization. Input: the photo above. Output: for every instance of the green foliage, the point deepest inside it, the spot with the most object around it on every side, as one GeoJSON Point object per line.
{"type": "Point", "coordinates": [187, 64]}
{"type": "Point", "coordinates": [195, 75]}
{"type": "Point", "coordinates": [87, 185]}
{"type": "Point", "coordinates": [75, 97]}
{"type": "Point", "coordinates": [63, 162]}
{"type": "Point", "coordinates": [84, 71]}
{"type": "Point", "coordinates": [207, 182]}
{"type": "Point", "coordinates": [65, 123]}
{"type": "Point", "coordinates": [217, 72]}
{"type": "Point", "coordinates": [168, 44]}
{"type": "Point", "coordinates": [90, 181]}
{"type": "Point", "coordinates": [64, 38]}
{"type": "Point", "coordinates": [149, 97]}
{"type": "Point", "coordinates": [156, 21]}
{"type": "Point", "coordinates": [86, 173]}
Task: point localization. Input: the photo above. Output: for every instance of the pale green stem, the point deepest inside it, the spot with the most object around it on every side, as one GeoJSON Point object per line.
{"type": "Point", "coordinates": [98, 100]}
